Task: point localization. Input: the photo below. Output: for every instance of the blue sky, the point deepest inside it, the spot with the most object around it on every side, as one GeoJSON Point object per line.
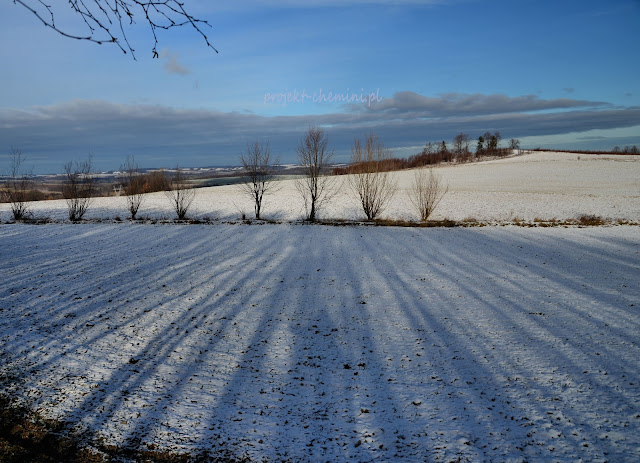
{"type": "Point", "coordinates": [552, 73]}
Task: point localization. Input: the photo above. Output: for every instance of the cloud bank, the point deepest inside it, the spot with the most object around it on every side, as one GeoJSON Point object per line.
{"type": "Point", "coordinates": [456, 104]}
{"type": "Point", "coordinates": [165, 136]}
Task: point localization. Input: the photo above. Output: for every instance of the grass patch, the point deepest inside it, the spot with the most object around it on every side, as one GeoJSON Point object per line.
{"type": "Point", "coordinates": [591, 220]}
{"type": "Point", "coordinates": [389, 223]}
{"type": "Point", "coordinates": [581, 221]}
{"type": "Point", "coordinates": [26, 437]}
{"type": "Point", "coordinates": [425, 224]}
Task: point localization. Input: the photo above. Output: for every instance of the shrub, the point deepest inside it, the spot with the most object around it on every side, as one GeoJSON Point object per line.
{"type": "Point", "coordinates": [370, 183]}
{"type": "Point", "coordinates": [133, 186]}
{"type": "Point", "coordinates": [78, 188]}
{"type": "Point", "coordinates": [180, 194]}
{"type": "Point", "coordinates": [591, 220]}
{"type": "Point", "coordinates": [18, 186]}
{"type": "Point", "coordinates": [427, 192]}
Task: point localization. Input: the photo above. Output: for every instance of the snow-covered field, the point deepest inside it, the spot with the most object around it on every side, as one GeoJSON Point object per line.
{"type": "Point", "coordinates": [332, 344]}
{"type": "Point", "coordinates": [321, 343]}
{"type": "Point", "coordinates": [527, 187]}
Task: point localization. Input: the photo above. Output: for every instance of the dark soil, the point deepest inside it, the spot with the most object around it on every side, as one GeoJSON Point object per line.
{"type": "Point", "coordinates": [27, 438]}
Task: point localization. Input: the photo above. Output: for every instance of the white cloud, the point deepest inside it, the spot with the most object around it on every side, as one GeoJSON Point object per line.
{"type": "Point", "coordinates": [173, 65]}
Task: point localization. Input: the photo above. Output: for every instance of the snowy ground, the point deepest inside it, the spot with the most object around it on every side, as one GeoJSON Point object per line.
{"type": "Point", "coordinates": [532, 186]}
{"type": "Point", "coordinates": [314, 343]}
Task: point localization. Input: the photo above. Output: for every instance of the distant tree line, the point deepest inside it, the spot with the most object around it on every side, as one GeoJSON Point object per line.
{"type": "Point", "coordinates": [626, 150]}
{"type": "Point", "coordinates": [458, 151]}
{"type": "Point", "coordinates": [616, 150]}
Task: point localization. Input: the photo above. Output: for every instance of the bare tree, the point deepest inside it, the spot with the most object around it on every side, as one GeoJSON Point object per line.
{"type": "Point", "coordinates": [514, 145]}
{"type": "Point", "coordinates": [429, 149]}
{"type": "Point", "coordinates": [78, 187]}
{"type": "Point", "coordinates": [259, 173]}
{"type": "Point", "coordinates": [444, 153]}
{"type": "Point", "coordinates": [314, 156]}
{"type": "Point", "coordinates": [480, 146]}
{"type": "Point", "coordinates": [497, 137]}
{"type": "Point", "coordinates": [180, 193]}
{"type": "Point", "coordinates": [492, 140]}
{"type": "Point", "coordinates": [106, 20]}
{"type": "Point", "coordinates": [461, 146]}
{"type": "Point", "coordinates": [427, 192]}
{"type": "Point", "coordinates": [370, 183]}
{"type": "Point", "coordinates": [18, 185]}
{"type": "Point", "coordinates": [133, 185]}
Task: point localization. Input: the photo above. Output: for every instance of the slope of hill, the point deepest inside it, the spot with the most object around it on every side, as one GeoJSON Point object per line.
{"type": "Point", "coordinates": [538, 185]}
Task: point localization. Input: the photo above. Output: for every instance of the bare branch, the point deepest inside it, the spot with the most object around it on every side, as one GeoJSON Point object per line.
{"type": "Point", "coordinates": [103, 17]}
{"type": "Point", "coordinates": [514, 146]}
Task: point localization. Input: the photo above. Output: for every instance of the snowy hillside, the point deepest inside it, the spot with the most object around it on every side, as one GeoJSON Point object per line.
{"type": "Point", "coordinates": [538, 185]}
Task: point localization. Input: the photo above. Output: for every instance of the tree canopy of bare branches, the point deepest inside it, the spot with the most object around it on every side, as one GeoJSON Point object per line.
{"type": "Point", "coordinates": [316, 187]}
{"type": "Point", "coordinates": [370, 182]}
{"type": "Point", "coordinates": [106, 21]}
{"type": "Point", "coordinates": [17, 187]}
{"type": "Point", "coordinates": [461, 147]}
{"type": "Point", "coordinates": [259, 173]}
{"type": "Point", "coordinates": [480, 145]}
{"type": "Point", "coordinates": [133, 185]}
{"type": "Point", "coordinates": [493, 141]}
{"type": "Point", "coordinates": [514, 145]}
{"type": "Point", "coordinates": [78, 187]}
{"type": "Point", "coordinates": [427, 192]}
{"type": "Point", "coordinates": [181, 193]}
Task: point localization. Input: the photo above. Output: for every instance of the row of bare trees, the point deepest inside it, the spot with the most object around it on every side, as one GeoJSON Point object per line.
{"type": "Point", "coordinates": [316, 185]}
{"type": "Point", "coordinates": [371, 182]}
{"type": "Point", "coordinates": [374, 186]}
{"type": "Point", "coordinates": [370, 179]}
{"type": "Point", "coordinates": [458, 151]}
{"type": "Point", "coordinates": [79, 187]}
{"type": "Point", "coordinates": [487, 145]}
{"type": "Point", "coordinates": [135, 185]}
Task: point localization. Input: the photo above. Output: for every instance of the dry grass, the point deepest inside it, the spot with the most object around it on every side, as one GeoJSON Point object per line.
{"type": "Point", "coordinates": [591, 220]}
{"type": "Point", "coordinates": [581, 221]}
